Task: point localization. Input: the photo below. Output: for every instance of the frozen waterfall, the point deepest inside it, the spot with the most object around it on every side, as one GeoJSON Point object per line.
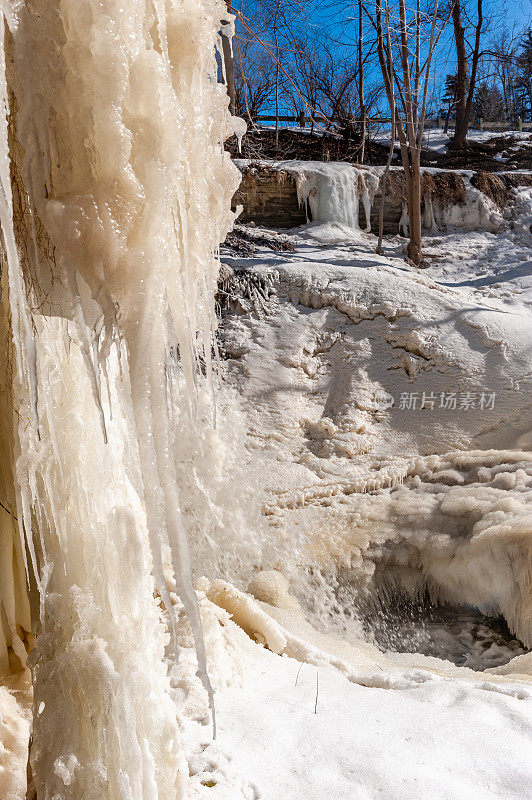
{"type": "Point", "coordinates": [112, 210]}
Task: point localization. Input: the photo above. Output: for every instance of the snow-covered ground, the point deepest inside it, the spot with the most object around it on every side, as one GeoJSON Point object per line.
{"type": "Point", "coordinates": [365, 501]}
{"type": "Point", "coordinates": [349, 722]}
{"type": "Point", "coordinates": [381, 419]}
{"type": "Point", "coordinates": [436, 139]}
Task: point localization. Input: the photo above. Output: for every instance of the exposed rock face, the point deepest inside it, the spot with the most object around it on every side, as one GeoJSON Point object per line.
{"type": "Point", "coordinates": [269, 195]}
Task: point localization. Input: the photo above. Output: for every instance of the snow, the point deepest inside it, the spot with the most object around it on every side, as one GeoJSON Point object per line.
{"type": "Point", "coordinates": [317, 495]}
{"type": "Point", "coordinates": [433, 139]}
{"type": "Point", "coordinates": [438, 739]}
{"type": "Point", "coordinates": [326, 719]}
{"type": "Point", "coordinates": [485, 136]}
{"type": "Point", "coordinates": [436, 140]}
{"type": "Point", "coordinates": [392, 500]}
{"type": "Point", "coordinates": [344, 328]}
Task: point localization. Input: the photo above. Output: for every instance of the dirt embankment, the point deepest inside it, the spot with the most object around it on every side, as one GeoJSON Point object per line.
{"type": "Point", "coordinates": [478, 156]}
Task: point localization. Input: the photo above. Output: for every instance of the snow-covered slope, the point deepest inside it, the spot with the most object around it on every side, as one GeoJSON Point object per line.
{"type": "Point", "coordinates": [345, 334]}
{"type": "Point", "coordinates": [437, 140]}
{"type": "Point", "coordinates": [307, 716]}
{"type": "Point", "coordinates": [366, 499]}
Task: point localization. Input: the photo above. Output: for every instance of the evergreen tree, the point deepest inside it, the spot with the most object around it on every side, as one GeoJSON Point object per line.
{"type": "Point", "coordinates": [524, 80]}
{"type": "Point", "coordinates": [488, 104]}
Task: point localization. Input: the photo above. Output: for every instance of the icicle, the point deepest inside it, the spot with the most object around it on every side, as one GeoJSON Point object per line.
{"type": "Point", "coordinates": [403, 222]}
{"type": "Point", "coordinates": [370, 183]}
{"type": "Point", "coordinates": [428, 213]}
{"type": "Point", "coordinates": [333, 191]}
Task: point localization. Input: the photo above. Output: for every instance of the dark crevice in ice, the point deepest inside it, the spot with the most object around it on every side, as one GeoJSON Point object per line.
{"type": "Point", "coordinates": [458, 634]}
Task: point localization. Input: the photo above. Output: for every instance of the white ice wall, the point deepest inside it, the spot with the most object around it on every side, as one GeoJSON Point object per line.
{"type": "Point", "coordinates": [126, 188]}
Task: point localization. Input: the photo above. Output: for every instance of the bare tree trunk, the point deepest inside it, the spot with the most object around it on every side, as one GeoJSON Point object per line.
{"type": "Point", "coordinates": [276, 92]}
{"type": "Point", "coordinates": [461, 122]}
{"type": "Point", "coordinates": [417, 66]}
{"type": "Point", "coordinates": [414, 104]}
{"type": "Point", "coordinates": [383, 187]}
{"type": "Point", "coordinates": [414, 213]}
{"type": "Point", "coordinates": [413, 170]}
{"type": "Point", "coordinates": [475, 60]}
{"type": "Point", "coordinates": [465, 84]}
{"type": "Point", "coordinates": [448, 115]}
{"type": "Point", "coordinates": [362, 103]}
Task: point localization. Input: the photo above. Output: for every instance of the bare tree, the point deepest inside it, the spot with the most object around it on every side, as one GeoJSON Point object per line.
{"type": "Point", "coordinates": [254, 77]}
{"type": "Point", "coordinates": [524, 80]}
{"type": "Point", "coordinates": [450, 99]}
{"type": "Point", "coordinates": [275, 27]}
{"type": "Point", "coordinates": [361, 99]}
{"type": "Point", "coordinates": [385, 51]}
{"type": "Point", "coordinates": [503, 70]}
{"type": "Point", "coordinates": [325, 83]}
{"type": "Point", "coordinates": [466, 72]}
{"type": "Point", "coordinates": [272, 26]}
{"type": "Point", "coordinates": [308, 69]}
{"type": "Point", "coordinates": [410, 84]}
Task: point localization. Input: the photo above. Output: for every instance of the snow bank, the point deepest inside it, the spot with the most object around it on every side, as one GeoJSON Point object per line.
{"type": "Point", "coordinates": [359, 705]}
{"type": "Point", "coordinates": [287, 632]}
{"type": "Point", "coordinates": [436, 140]}
{"type": "Point", "coordinates": [303, 731]}
{"type": "Point", "coordinates": [478, 212]}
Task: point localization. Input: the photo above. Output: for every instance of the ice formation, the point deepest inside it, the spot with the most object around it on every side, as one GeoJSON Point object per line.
{"type": "Point", "coordinates": [333, 341]}
{"type": "Point", "coordinates": [112, 210]}
{"type": "Point", "coordinates": [121, 197]}
{"type": "Point", "coordinates": [478, 212]}
{"type": "Point", "coordinates": [334, 190]}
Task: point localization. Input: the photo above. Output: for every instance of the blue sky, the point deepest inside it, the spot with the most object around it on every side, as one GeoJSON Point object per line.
{"type": "Point", "coordinates": [333, 15]}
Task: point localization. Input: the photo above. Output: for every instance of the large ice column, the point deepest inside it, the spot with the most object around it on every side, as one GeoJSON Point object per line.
{"type": "Point", "coordinates": [104, 722]}
{"type": "Point", "coordinates": [15, 622]}
{"type": "Point", "coordinates": [122, 197]}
